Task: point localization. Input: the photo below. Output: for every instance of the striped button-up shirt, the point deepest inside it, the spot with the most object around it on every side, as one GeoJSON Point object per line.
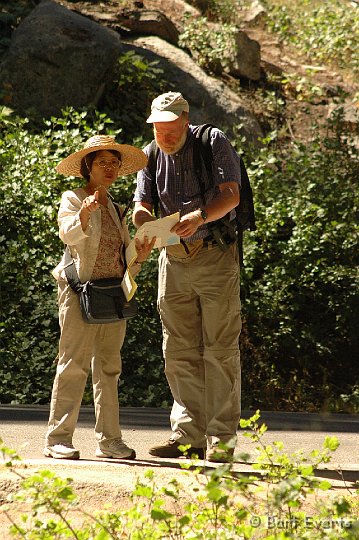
{"type": "Point", "coordinates": [179, 188]}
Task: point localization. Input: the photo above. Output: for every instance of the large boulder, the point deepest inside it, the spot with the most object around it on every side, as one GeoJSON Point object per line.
{"type": "Point", "coordinates": [57, 58]}
{"type": "Point", "coordinates": [244, 57]}
{"type": "Point", "coordinates": [148, 22]}
{"type": "Point", "coordinates": [210, 100]}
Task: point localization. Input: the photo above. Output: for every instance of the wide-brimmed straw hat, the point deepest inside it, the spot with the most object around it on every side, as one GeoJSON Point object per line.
{"type": "Point", "coordinates": [132, 158]}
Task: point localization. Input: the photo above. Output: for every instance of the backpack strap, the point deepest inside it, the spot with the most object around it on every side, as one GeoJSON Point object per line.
{"type": "Point", "coordinates": [202, 155]}
{"type": "Point", "coordinates": [245, 218]}
{"type": "Point", "coordinates": [152, 167]}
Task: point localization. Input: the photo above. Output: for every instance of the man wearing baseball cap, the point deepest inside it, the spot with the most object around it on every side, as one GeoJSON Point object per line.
{"type": "Point", "coordinates": [198, 291]}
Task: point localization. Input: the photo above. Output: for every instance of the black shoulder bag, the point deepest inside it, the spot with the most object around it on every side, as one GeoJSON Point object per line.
{"type": "Point", "coordinates": [102, 301]}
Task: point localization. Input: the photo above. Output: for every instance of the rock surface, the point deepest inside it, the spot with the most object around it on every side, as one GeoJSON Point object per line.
{"type": "Point", "coordinates": [210, 100]}
{"type": "Point", "coordinates": [57, 58]}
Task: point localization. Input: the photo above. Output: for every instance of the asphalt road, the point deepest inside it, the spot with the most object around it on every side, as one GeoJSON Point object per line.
{"type": "Point", "coordinates": [22, 428]}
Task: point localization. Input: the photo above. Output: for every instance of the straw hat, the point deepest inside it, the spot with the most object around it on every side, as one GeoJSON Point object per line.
{"type": "Point", "coordinates": [132, 158]}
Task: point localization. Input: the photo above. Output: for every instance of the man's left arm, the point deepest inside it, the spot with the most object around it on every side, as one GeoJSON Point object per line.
{"type": "Point", "coordinates": [223, 202]}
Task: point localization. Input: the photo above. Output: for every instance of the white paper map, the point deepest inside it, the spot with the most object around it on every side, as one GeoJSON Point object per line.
{"type": "Point", "coordinates": [161, 229]}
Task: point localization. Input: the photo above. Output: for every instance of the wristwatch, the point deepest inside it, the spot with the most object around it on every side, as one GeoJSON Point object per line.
{"type": "Point", "coordinates": [204, 215]}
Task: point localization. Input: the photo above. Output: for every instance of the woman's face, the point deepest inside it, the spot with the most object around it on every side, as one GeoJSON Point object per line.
{"type": "Point", "coordinates": [105, 169]}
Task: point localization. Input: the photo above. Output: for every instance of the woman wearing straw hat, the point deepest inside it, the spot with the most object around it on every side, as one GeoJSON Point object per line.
{"type": "Point", "coordinates": [90, 225]}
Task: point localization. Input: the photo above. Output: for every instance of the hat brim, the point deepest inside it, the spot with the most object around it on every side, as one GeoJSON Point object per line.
{"type": "Point", "coordinates": [132, 159]}
{"type": "Point", "coordinates": [162, 116]}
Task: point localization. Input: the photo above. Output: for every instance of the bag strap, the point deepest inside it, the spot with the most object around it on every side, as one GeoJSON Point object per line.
{"type": "Point", "coordinates": [72, 275]}
{"type": "Point", "coordinates": [127, 207]}
{"type": "Point", "coordinates": [70, 269]}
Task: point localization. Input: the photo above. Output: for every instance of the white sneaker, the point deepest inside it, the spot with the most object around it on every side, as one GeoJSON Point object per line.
{"type": "Point", "coordinates": [115, 448]}
{"type": "Point", "coordinates": [61, 451]}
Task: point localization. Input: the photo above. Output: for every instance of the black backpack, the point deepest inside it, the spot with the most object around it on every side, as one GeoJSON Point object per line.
{"type": "Point", "coordinates": [202, 156]}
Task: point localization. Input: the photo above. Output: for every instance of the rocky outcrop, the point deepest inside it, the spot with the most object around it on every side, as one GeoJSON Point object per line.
{"type": "Point", "coordinates": [243, 59]}
{"type": "Point", "coordinates": [255, 14]}
{"type": "Point", "coordinates": [57, 58]}
{"type": "Point", "coordinates": [210, 100]}
{"type": "Point", "coordinates": [149, 22]}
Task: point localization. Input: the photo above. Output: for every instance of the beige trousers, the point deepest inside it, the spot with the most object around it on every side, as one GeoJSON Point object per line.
{"type": "Point", "coordinates": [83, 347]}
{"type": "Point", "coordinates": [199, 306]}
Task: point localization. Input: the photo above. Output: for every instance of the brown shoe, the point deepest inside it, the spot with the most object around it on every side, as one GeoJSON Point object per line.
{"type": "Point", "coordinates": [170, 449]}
{"type": "Point", "coordinates": [219, 455]}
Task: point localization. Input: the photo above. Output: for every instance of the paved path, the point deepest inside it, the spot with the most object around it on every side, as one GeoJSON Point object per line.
{"type": "Point", "coordinates": [22, 428]}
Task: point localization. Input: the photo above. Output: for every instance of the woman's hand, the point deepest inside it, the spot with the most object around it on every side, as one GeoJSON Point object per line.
{"type": "Point", "coordinates": [144, 249]}
{"type": "Point", "coordinates": [91, 203]}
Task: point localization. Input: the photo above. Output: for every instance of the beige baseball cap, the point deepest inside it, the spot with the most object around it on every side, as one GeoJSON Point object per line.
{"type": "Point", "coordinates": [167, 107]}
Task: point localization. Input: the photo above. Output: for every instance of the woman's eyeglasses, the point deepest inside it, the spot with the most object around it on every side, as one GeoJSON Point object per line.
{"type": "Point", "coordinates": [105, 163]}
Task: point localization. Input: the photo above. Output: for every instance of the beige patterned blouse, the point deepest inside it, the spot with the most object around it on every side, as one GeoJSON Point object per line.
{"type": "Point", "coordinates": [109, 262]}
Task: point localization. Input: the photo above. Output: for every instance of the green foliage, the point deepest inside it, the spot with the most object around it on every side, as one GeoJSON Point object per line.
{"type": "Point", "coordinates": [143, 377]}
{"type": "Point", "coordinates": [326, 31]}
{"type": "Point", "coordinates": [136, 82]}
{"type": "Point", "coordinates": [224, 11]}
{"type": "Point", "coordinates": [208, 45]}
{"type": "Point", "coordinates": [301, 276]}
{"type": "Point", "coordinates": [299, 280]}
{"type": "Point", "coordinates": [30, 191]}
{"type": "Point", "coordinates": [281, 498]}
{"type": "Point", "coordinates": [29, 194]}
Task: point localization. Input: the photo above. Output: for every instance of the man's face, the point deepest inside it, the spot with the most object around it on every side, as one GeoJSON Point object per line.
{"type": "Point", "coordinates": [171, 136]}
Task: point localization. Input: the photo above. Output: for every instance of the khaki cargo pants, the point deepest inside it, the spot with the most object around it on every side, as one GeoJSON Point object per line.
{"type": "Point", "coordinates": [199, 306]}
{"type": "Point", "coordinates": [83, 347]}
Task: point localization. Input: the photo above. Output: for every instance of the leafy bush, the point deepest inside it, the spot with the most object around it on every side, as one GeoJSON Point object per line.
{"type": "Point", "coordinates": [299, 280]}
{"type": "Point", "coordinates": [136, 82]}
{"type": "Point", "coordinates": [208, 45]}
{"type": "Point", "coordinates": [301, 276]}
{"type": "Point", "coordinates": [327, 31]}
{"type": "Point", "coordinates": [30, 191]}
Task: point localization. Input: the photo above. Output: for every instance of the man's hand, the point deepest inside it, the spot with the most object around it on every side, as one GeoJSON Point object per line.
{"type": "Point", "coordinates": [188, 224]}
{"type": "Point", "coordinates": [226, 199]}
